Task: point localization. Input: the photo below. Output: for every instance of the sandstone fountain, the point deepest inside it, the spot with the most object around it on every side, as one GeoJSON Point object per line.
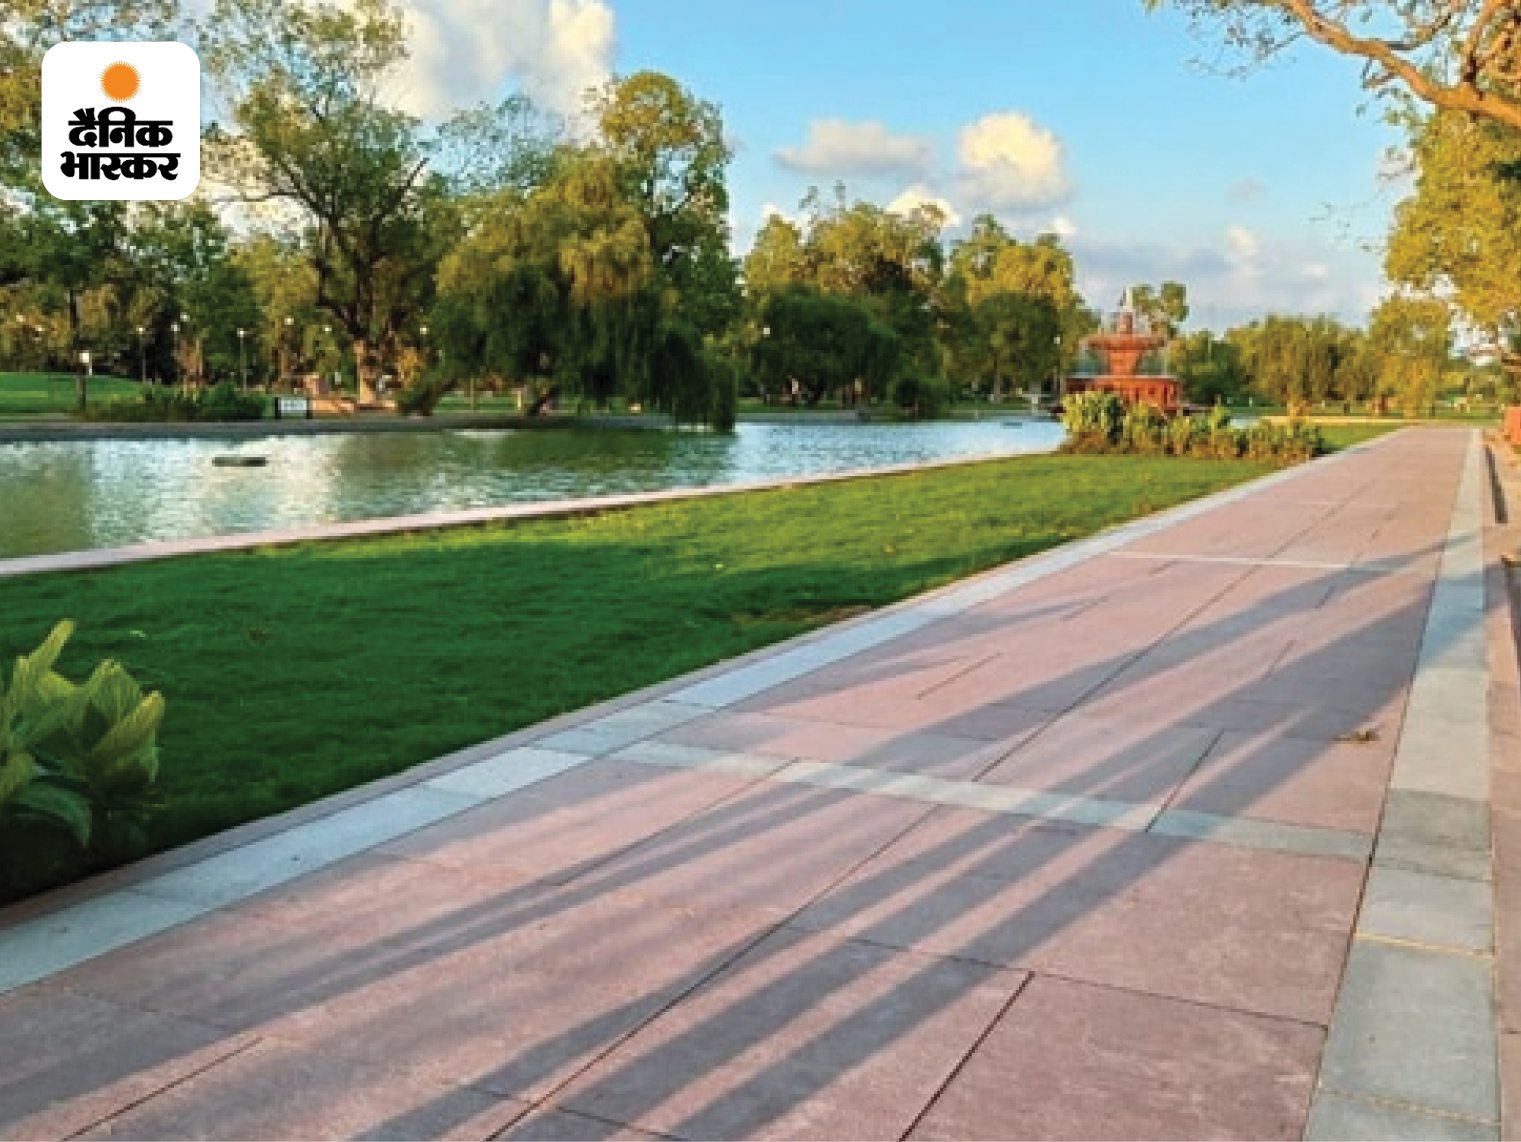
{"type": "Point", "coordinates": [1123, 343]}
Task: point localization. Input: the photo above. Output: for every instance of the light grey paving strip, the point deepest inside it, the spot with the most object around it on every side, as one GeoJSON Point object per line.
{"type": "Point", "coordinates": [1413, 1049]}
{"type": "Point", "coordinates": [46, 945]}
{"type": "Point", "coordinates": [1242, 561]}
{"type": "Point", "coordinates": [1070, 808]}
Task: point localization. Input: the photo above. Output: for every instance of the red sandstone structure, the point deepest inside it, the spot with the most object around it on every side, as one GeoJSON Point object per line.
{"type": "Point", "coordinates": [1123, 345]}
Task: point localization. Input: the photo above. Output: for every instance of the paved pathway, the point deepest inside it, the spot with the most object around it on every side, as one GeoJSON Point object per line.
{"type": "Point", "coordinates": [1181, 831]}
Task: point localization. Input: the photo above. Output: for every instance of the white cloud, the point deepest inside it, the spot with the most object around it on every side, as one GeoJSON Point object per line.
{"type": "Point", "coordinates": [1246, 189]}
{"type": "Point", "coordinates": [1298, 275]}
{"type": "Point", "coordinates": [462, 51]}
{"type": "Point", "coordinates": [921, 195]}
{"type": "Point", "coordinates": [1008, 161]}
{"type": "Point", "coordinates": [1241, 243]}
{"type": "Point", "coordinates": [1063, 227]}
{"type": "Point", "coordinates": [839, 148]}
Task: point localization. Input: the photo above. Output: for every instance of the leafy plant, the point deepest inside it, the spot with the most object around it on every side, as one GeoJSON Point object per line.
{"type": "Point", "coordinates": [75, 759]}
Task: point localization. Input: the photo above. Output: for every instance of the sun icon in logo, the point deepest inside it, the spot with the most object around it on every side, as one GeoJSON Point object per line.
{"type": "Point", "coordinates": [120, 81]}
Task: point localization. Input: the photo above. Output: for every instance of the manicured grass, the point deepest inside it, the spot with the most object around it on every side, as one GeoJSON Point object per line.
{"type": "Point", "coordinates": [295, 672]}
{"type": "Point", "coordinates": [35, 393]}
{"type": "Point", "coordinates": [1339, 436]}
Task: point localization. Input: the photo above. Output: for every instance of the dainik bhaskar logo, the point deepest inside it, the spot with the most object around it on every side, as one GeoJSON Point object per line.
{"type": "Point", "coordinates": [121, 120]}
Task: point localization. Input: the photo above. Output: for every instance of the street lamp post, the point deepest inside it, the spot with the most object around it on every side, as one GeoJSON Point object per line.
{"type": "Point", "coordinates": [285, 371]}
{"type": "Point", "coordinates": [179, 371]}
{"type": "Point", "coordinates": [142, 359]}
{"type": "Point", "coordinates": [242, 368]}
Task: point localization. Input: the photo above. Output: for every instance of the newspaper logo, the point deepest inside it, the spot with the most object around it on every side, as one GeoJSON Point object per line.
{"type": "Point", "coordinates": [121, 120]}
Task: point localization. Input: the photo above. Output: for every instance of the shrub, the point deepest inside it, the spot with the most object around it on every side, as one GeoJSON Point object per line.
{"type": "Point", "coordinates": [157, 405]}
{"type": "Point", "coordinates": [421, 397]}
{"type": "Point", "coordinates": [1094, 417]}
{"type": "Point", "coordinates": [77, 766]}
{"type": "Point", "coordinates": [923, 398]}
{"type": "Point", "coordinates": [1100, 423]}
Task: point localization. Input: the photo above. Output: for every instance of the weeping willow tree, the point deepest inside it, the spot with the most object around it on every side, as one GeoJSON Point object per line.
{"type": "Point", "coordinates": [824, 343]}
{"type": "Point", "coordinates": [561, 289]}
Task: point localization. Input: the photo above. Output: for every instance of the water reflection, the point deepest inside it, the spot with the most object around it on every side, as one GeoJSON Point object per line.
{"type": "Point", "coordinates": [106, 493]}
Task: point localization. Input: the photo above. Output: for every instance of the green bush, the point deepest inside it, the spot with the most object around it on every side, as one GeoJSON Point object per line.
{"type": "Point", "coordinates": [158, 405]}
{"type": "Point", "coordinates": [1100, 423]}
{"type": "Point", "coordinates": [421, 397]}
{"type": "Point", "coordinates": [77, 767]}
{"type": "Point", "coordinates": [923, 398]}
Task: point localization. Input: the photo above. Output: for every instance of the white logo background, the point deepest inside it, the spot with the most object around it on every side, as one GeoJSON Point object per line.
{"type": "Point", "coordinates": [170, 90]}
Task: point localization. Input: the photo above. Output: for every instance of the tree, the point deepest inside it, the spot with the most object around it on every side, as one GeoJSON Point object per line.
{"type": "Point", "coordinates": [1412, 337]}
{"type": "Point", "coordinates": [1009, 308]}
{"type": "Point", "coordinates": [312, 132]}
{"type": "Point", "coordinates": [672, 157]}
{"type": "Point", "coordinates": [1460, 55]}
{"type": "Point", "coordinates": [1459, 233]}
{"type": "Point", "coordinates": [1165, 308]}
{"type": "Point", "coordinates": [823, 343]}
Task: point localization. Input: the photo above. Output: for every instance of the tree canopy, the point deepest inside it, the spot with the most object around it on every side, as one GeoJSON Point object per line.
{"type": "Point", "coordinates": [1460, 55]}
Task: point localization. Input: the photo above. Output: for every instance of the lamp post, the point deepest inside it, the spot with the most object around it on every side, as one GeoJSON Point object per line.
{"type": "Point", "coordinates": [21, 343]}
{"type": "Point", "coordinates": [81, 383]}
{"type": "Point", "coordinates": [284, 340]}
{"type": "Point", "coordinates": [242, 368]}
{"type": "Point", "coordinates": [142, 359]}
{"type": "Point", "coordinates": [179, 372]}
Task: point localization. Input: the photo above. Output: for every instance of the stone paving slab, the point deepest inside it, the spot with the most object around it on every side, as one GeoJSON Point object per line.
{"type": "Point", "coordinates": [1076, 1061]}
{"type": "Point", "coordinates": [1068, 849]}
{"type": "Point", "coordinates": [1433, 1048]}
{"type": "Point", "coordinates": [805, 1036]}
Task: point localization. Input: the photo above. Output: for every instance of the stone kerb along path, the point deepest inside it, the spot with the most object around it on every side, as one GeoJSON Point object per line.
{"type": "Point", "coordinates": [1180, 831]}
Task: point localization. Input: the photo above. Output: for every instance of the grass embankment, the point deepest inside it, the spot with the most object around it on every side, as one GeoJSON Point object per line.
{"type": "Point", "coordinates": [295, 672]}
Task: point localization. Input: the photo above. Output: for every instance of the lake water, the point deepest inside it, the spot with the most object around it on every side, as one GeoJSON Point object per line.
{"type": "Point", "coordinates": [80, 495]}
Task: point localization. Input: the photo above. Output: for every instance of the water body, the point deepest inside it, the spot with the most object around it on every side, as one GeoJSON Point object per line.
{"type": "Point", "coordinates": [81, 495]}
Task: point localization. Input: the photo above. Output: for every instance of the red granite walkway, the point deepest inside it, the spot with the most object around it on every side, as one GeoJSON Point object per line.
{"type": "Point", "coordinates": [1084, 859]}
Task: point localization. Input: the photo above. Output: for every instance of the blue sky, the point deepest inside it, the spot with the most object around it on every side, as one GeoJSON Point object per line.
{"type": "Point", "coordinates": [1091, 117]}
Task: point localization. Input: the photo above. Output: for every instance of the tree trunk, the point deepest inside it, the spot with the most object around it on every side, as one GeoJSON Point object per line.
{"type": "Point", "coordinates": [367, 368]}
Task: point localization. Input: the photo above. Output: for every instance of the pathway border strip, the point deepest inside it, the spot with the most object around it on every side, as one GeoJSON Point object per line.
{"type": "Point", "coordinates": [1412, 1046]}
{"type": "Point", "coordinates": [133, 905]}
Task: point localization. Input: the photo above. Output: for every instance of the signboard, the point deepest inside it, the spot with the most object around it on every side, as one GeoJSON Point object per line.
{"type": "Point", "coordinates": [121, 120]}
{"type": "Point", "coordinates": [293, 406]}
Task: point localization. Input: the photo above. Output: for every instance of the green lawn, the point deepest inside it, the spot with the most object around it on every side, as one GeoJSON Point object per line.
{"type": "Point", "coordinates": [1339, 436]}
{"type": "Point", "coordinates": [32, 394]}
{"type": "Point", "coordinates": [296, 672]}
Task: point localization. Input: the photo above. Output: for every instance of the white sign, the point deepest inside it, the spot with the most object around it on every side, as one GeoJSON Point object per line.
{"type": "Point", "coordinates": [121, 120]}
{"type": "Point", "coordinates": [296, 405]}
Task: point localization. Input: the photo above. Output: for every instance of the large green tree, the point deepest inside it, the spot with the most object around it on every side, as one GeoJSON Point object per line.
{"type": "Point", "coordinates": [360, 182]}
{"type": "Point", "coordinates": [1459, 232]}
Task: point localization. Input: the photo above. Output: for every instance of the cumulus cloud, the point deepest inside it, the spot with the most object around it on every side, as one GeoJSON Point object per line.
{"type": "Point", "coordinates": [1008, 161]}
{"type": "Point", "coordinates": [1063, 227]}
{"type": "Point", "coordinates": [462, 51]}
{"type": "Point", "coordinates": [1241, 243]}
{"type": "Point", "coordinates": [839, 148]}
{"type": "Point", "coordinates": [920, 195]}
{"type": "Point", "coordinates": [1290, 276]}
